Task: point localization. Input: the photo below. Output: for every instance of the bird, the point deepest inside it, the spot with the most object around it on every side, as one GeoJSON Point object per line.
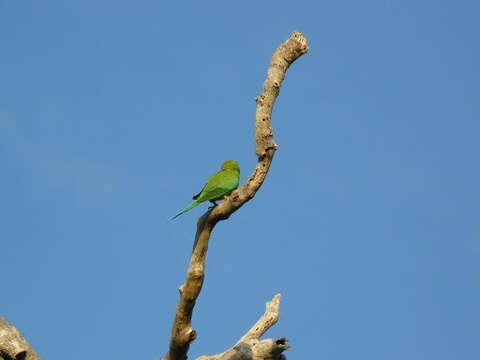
{"type": "Point", "coordinates": [218, 186]}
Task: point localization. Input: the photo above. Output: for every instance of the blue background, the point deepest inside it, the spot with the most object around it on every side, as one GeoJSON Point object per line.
{"type": "Point", "coordinates": [113, 113]}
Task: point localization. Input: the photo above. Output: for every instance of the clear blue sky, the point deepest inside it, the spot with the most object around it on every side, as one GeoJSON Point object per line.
{"type": "Point", "coordinates": [114, 113]}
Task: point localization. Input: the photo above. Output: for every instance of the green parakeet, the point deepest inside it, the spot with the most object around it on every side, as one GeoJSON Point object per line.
{"type": "Point", "coordinates": [218, 185]}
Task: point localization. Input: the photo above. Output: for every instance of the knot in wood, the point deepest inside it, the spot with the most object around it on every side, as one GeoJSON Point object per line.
{"type": "Point", "coordinates": [196, 271]}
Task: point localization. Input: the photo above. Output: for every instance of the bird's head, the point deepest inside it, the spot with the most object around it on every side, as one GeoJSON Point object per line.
{"type": "Point", "coordinates": [230, 165]}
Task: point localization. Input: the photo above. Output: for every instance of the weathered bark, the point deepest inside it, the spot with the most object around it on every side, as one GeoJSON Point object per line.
{"type": "Point", "coordinates": [249, 347]}
{"type": "Point", "coordinates": [13, 345]}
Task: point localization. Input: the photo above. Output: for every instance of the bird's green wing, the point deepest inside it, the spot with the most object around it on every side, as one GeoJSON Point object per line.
{"type": "Point", "coordinates": [219, 184]}
{"type": "Point", "coordinates": [211, 183]}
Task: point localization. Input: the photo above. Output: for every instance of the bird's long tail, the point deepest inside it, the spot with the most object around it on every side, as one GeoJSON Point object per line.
{"type": "Point", "coordinates": [189, 207]}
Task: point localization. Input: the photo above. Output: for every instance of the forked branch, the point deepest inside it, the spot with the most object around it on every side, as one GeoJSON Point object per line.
{"type": "Point", "coordinates": [250, 346]}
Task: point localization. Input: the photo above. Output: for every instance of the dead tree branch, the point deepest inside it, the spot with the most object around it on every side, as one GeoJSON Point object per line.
{"type": "Point", "coordinates": [268, 319]}
{"type": "Point", "coordinates": [182, 332]}
{"type": "Point", "coordinates": [13, 345]}
{"type": "Point", "coordinates": [250, 347]}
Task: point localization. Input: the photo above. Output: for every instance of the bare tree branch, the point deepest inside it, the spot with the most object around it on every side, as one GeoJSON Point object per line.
{"type": "Point", "coordinates": [268, 319]}
{"type": "Point", "coordinates": [265, 146]}
{"type": "Point", "coordinates": [13, 345]}
{"type": "Point", "coordinates": [249, 347]}
{"type": "Point", "coordinates": [182, 332]}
